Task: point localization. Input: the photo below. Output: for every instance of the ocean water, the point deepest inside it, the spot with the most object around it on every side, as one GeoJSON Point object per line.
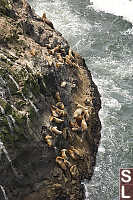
{"type": "Point", "coordinates": [102, 33]}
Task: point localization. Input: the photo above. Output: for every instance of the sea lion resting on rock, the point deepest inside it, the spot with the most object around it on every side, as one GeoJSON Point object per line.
{"type": "Point", "coordinates": [56, 120]}
{"type": "Point", "coordinates": [57, 96]}
{"type": "Point", "coordinates": [60, 162]}
{"type": "Point", "coordinates": [48, 140]}
{"type": "Point", "coordinates": [63, 163]}
{"type": "Point", "coordinates": [63, 153]}
{"type": "Point", "coordinates": [44, 18]}
{"type": "Point", "coordinates": [60, 105]}
{"type": "Point", "coordinates": [55, 130]}
{"type": "Point", "coordinates": [60, 113]}
{"type": "Point", "coordinates": [74, 171]}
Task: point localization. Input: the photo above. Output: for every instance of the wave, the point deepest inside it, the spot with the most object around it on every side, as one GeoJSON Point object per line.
{"type": "Point", "coordinates": [117, 7]}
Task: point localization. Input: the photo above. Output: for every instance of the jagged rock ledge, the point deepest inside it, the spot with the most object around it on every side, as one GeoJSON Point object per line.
{"type": "Point", "coordinates": [52, 147]}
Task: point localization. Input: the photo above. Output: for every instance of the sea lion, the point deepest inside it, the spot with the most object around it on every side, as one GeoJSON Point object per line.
{"type": "Point", "coordinates": [58, 64]}
{"type": "Point", "coordinates": [61, 113]}
{"type": "Point", "coordinates": [48, 140]}
{"type": "Point", "coordinates": [67, 163]}
{"type": "Point", "coordinates": [53, 107]}
{"type": "Point", "coordinates": [72, 154]}
{"type": "Point", "coordinates": [84, 125]}
{"type": "Point", "coordinates": [54, 113]}
{"type": "Point", "coordinates": [74, 171]}
{"type": "Point", "coordinates": [61, 163]}
{"type": "Point", "coordinates": [57, 120]}
{"type": "Point", "coordinates": [51, 118]}
{"type": "Point", "coordinates": [55, 130]}
{"type": "Point", "coordinates": [56, 49]}
{"type": "Point", "coordinates": [76, 129]}
{"type": "Point", "coordinates": [70, 53]}
{"type": "Point", "coordinates": [75, 126]}
{"type": "Point", "coordinates": [60, 105]}
{"type": "Point", "coordinates": [80, 106]}
{"type": "Point", "coordinates": [49, 23]}
{"type": "Point", "coordinates": [44, 16]}
{"type": "Point", "coordinates": [77, 55]}
{"type": "Point", "coordinates": [78, 152]}
{"type": "Point", "coordinates": [86, 115]}
{"type": "Point", "coordinates": [75, 65]}
{"type": "Point", "coordinates": [57, 96]}
{"type": "Point", "coordinates": [60, 58]}
{"type": "Point", "coordinates": [33, 51]}
{"type": "Point", "coordinates": [49, 59]}
{"type": "Point", "coordinates": [68, 61]}
{"type": "Point", "coordinates": [78, 113]}
{"type": "Point", "coordinates": [63, 153]}
{"type": "Point", "coordinates": [48, 137]}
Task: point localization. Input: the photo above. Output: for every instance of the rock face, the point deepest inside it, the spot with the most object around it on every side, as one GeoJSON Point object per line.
{"type": "Point", "coordinates": [49, 108]}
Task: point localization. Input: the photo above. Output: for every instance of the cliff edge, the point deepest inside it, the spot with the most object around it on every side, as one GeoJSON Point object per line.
{"type": "Point", "coordinates": [49, 104]}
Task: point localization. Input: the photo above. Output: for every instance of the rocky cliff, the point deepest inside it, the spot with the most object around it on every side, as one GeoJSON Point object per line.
{"type": "Point", "coordinates": [49, 104]}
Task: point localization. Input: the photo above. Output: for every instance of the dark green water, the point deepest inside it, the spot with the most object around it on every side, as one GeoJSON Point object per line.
{"type": "Point", "coordinates": [106, 43]}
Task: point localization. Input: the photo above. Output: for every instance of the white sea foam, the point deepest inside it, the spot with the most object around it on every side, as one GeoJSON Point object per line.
{"type": "Point", "coordinates": [4, 192]}
{"type": "Point", "coordinates": [101, 149]}
{"type": "Point", "coordinates": [86, 190]}
{"type": "Point", "coordinates": [2, 110]}
{"type": "Point", "coordinates": [11, 122]}
{"type": "Point", "coordinates": [118, 7]}
{"type": "Point", "coordinates": [33, 105]}
{"type": "Point", "coordinates": [14, 81]}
